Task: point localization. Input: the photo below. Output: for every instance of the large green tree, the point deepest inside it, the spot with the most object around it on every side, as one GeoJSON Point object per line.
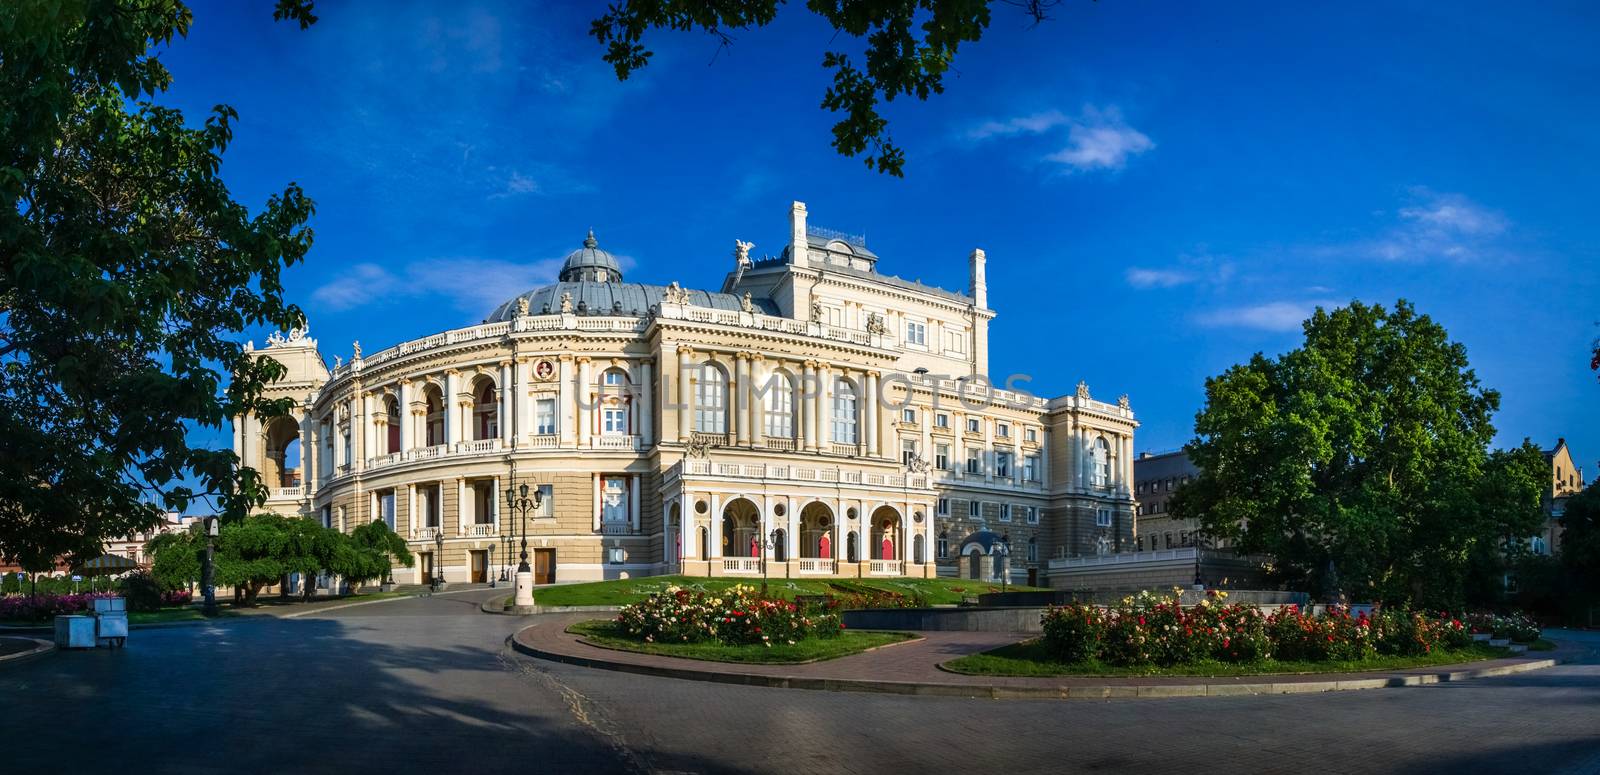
{"type": "Point", "coordinates": [1580, 552]}
{"type": "Point", "coordinates": [378, 549]}
{"type": "Point", "coordinates": [127, 272]}
{"type": "Point", "coordinates": [1359, 461]}
{"type": "Point", "coordinates": [883, 49]}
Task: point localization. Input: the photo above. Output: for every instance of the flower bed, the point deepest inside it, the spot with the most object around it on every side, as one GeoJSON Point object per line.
{"type": "Point", "coordinates": [1151, 630]}
{"type": "Point", "coordinates": [27, 608]}
{"type": "Point", "coordinates": [738, 616]}
{"type": "Point", "coordinates": [1518, 627]}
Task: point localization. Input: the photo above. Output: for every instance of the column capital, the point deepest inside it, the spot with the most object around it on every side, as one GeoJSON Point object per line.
{"type": "Point", "coordinates": [583, 359]}
{"type": "Point", "coordinates": [453, 372]}
{"type": "Point", "coordinates": [505, 362]}
{"type": "Point", "coordinates": [565, 357]}
{"type": "Point", "coordinates": [404, 381]}
{"type": "Point", "coordinates": [742, 356]}
{"type": "Point", "coordinates": [874, 374]}
{"type": "Point", "coordinates": [684, 349]}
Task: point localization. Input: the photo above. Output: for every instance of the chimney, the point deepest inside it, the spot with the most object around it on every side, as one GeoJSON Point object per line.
{"type": "Point", "coordinates": [797, 232]}
{"type": "Point", "coordinates": [979, 290]}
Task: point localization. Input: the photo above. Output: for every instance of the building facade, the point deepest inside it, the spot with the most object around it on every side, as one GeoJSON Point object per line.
{"type": "Point", "coordinates": [1155, 478]}
{"type": "Point", "coordinates": [1566, 480]}
{"type": "Point", "coordinates": [813, 417]}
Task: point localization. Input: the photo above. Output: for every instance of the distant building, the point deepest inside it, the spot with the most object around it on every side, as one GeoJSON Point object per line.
{"type": "Point", "coordinates": [1155, 478]}
{"type": "Point", "coordinates": [1566, 480]}
{"type": "Point", "coordinates": [132, 547]}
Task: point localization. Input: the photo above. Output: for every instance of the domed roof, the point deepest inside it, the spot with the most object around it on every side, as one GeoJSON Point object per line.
{"type": "Point", "coordinates": [591, 263]}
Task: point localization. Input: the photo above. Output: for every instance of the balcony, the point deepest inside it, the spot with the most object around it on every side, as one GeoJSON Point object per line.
{"type": "Point", "coordinates": [477, 446]}
{"type": "Point", "coordinates": [741, 565]}
{"type": "Point", "coordinates": [799, 474]}
{"type": "Point", "coordinates": [779, 445]}
{"type": "Point", "coordinates": [616, 528]}
{"type": "Point", "coordinates": [425, 533]}
{"type": "Point", "coordinates": [479, 530]}
{"type": "Point", "coordinates": [883, 568]}
{"type": "Point", "coordinates": [544, 441]}
{"type": "Point", "coordinates": [287, 493]}
{"type": "Point", "coordinates": [614, 442]}
{"type": "Point", "coordinates": [816, 566]}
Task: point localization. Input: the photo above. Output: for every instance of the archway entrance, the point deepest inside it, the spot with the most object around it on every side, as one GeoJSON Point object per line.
{"type": "Point", "coordinates": [741, 529]}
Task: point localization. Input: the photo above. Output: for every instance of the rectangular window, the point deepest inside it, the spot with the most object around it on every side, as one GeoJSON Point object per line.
{"type": "Point", "coordinates": [615, 555]}
{"type": "Point", "coordinates": [386, 507]}
{"type": "Point", "coordinates": [955, 341]}
{"type": "Point", "coordinates": [943, 508]}
{"type": "Point", "coordinates": [844, 412]}
{"type": "Point", "coordinates": [974, 425]}
{"type": "Point", "coordinates": [1002, 465]}
{"type": "Point", "coordinates": [779, 400]}
{"type": "Point", "coordinates": [974, 509]}
{"type": "Point", "coordinates": [612, 377]}
{"type": "Point", "coordinates": [544, 417]}
{"type": "Point", "coordinates": [1102, 518]}
{"type": "Point", "coordinates": [941, 420]}
{"type": "Point", "coordinates": [909, 415]}
{"type": "Point", "coordinates": [908, 451]}
{"type": "Point", "coordinates": [916, 334]}
{"type": "Point", "coordinates": [1030, 435]}
{"type": "Point", "coordinates": [327, 516]}
{"type": "Point", "coordinates": [614, 421]}
{"type": "Point", "coordinates": [1005, 512]}
{"type": "Point", "coordinates": [1032, 513]}
{"type": "Point", "coordinates": [944, 547]}
{"type": "Point", "coordinates": [547, 502]}
{"type": "Point", "coordinates": [613, 499]}
{"type": "Point", "coordinates": [941, 457]}
{"type": "Point", "coordinates": [1033, 551]}
{"type": "Point", "coordinates": [1030, 468]}
{"type": "Point", "coordinates": [974, 462]}
{"type": "Point", "coordinates": [711, 401]}
{"type": "Point", "coordinates": [1003, 430]}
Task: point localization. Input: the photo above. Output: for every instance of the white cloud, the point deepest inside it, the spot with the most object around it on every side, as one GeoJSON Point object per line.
{"type": "Point", "coordinates": [1158, 278]}
{"type": "Point", "coordinates": [516, 185]}
{"type": "Point", "coordinates": [1097, 138]}
{"type": "Point", "coordinates": [1440, 226]}
{"type": "Point", "coordinates": [1271, 316]}
{"type": "Point", "coordinates": [476, 285]}
{"type": "Point", "coordinates": [1034, 124]}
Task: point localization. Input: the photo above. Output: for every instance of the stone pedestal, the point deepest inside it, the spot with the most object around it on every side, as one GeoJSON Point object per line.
{"type": "Point", "coordinates": [524, 596]}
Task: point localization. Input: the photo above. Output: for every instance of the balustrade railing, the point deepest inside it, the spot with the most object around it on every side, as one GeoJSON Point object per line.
{"type": "Point", "coordinates": [614, 442]}
{"type": "Point", "coordinates": [478, 530]}
{"type": "Point", "coordinates": [287, 492]}
{"type": "Point", "coordinates": [816, 565]}
{"type": "Point", "coordinates": [741, 565]}
{"type": "Point", "coordinates": [544, 441]}
{"type": "Point", "coordinates": [426, 533]}
{"type": "Point", "coordinates": [883, 568]}
{"type": "Point", "coordinates": [616, 528]}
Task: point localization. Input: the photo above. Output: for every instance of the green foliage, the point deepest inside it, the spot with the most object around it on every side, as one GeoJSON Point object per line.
{"type": "Point", "coordinates": [377, 550]}
{"type": "Point", "coordinates": [142, 591]}
{"type": "Point", "coordinates": [126, 272]}
{"type": "Point", "coordinates": [905, 49]}
{"type": "Point", "coordinates": [1580, 547]}
{"type": "Point", "coordinates": [176, 558]}
{"type": "Point", "coordinates": [1359, 461]}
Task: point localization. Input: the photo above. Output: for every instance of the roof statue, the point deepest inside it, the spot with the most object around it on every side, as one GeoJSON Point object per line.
{"type": "Point", "coordinates": [355, 348]}
{"type": "Point", "coordinates": [337, 362]}
{"type": "Point", "coordinates": [522, 306]}
{"type": "Point", "coordinates": [1122, 401]}
{"type": "Point", "coordinates": [566, 302]}
{"type": "Point", "coordinates": [296, 338]}
{"type": "Point", "coordinates": [745, 305]}
{"type": "Point", "coordinates": [675, 294]}
{"type": "Point", "coordinates": [816, 311]}
{"type": "Point", "coordinates": [1083, 389]}
{"type": "Point", "coordinates": [875, 323]}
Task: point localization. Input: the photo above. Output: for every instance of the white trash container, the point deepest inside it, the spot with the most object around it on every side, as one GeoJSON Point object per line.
{"type": "Point", "coordinates": [75, 632]}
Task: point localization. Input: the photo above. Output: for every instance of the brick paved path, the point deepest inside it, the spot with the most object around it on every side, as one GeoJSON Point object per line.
{"type": "Point", "coordinates": [916, 662]}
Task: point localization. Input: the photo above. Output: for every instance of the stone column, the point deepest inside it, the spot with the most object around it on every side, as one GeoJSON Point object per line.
{"type": "Point", "coordinates": [716, 527]}
{"type": "Point", "coordinates": [585, 400]}
{"type": "Point", "coordinates": [738, 410]}
{"type": "Point", "coordinates": [462, 500]}
{"type": "Point", "coordinates": [238, 439]}
{"type": "Point", "coordinates": [645, 406]}
{"type": "Point", "coordinates": [362, 432]}
{"type": "Point", "coordinates": [824, 416]}
{"type": "Point", "coordinates": [634, 486]}
{"type": "Point", "coordinates": [988, 451]}
{"type": "Point", "coordinates": [686, 533]}
{"type": "Point", "coordinates": [756, 384]}
{"type": "Point", "coordinates": [522, 402]}
{"type": "Point", "coordinates": [411, 515]}
{"type": "Point", "coordinates": [685, 397]}
{"type": "Point", "coordinates": [1017, 433]}
{"type": "Point", "coordinates": [307, 452]}
{"type": "Point", "coordinates": [452, 420]}
{"type": "Point", "coordinates": [565, 402]}
{"type": "Point", "coordinates": [869, 414]}
{"type": "Point", "coordinates": [507, 390]}
{"type": "Point", "coordinates": [406, 424]}
{"type": "Point", "coordinates": [805, 409]}
{"type": "Point", "coordinates": [791, 534]}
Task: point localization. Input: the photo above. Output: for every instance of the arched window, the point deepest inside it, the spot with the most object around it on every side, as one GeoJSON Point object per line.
{"type": "Point", "coordinates": [850, 547]}
{"type": "Point", "coordinates": [1033, 549]}
{"type": "Point", "coordinates": [944, 544]}
{"type": "Point", "coordinates": [779, 407]}
{"type": "Point", "coordinates": [1102, 462]}
{"type": "Point", "coordinates": [916, 550]}
{"type": "Point", "coordinates": [844, 412]}
{"type": "Point", "coordinates": [614, 378]}
{"type": "Point", "coordinates": [711, 400]}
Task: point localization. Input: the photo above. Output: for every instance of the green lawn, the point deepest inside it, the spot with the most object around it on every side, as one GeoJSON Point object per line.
{"type": "Point", "coordinates": [624, 591]}
{"type": "Point", "coordinates": [606, 633]}
{"type": "Point", "coordinates": [172, 615]}
{"type": "Point", "coordinates": [1029, 658]}
{"type": "Point", "coordinates": [1542, 645]}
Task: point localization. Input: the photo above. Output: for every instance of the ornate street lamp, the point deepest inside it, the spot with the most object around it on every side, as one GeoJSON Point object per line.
{"type": "Point", "coordinates": [490, 570]}
{"type": "Point", "coordinates": [766, 546]}
{"type": "Point", "coordinates": [437, 582]}
{"type": "Point", "coordinates": [1005, 576]}
{"type": "Point", "coordinates": [517, 498]}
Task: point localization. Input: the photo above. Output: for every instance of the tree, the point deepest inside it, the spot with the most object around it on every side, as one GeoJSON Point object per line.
{"type": "Point", "coordinates": [908, 46]}
{"type": "Point", "coordinates": [127, 271]}
{"type": "Point", "coordinates": [1580, 548]}
{"type": "Point", "coordinates": [176, 558]}
{"type": "Point", "coordinates": [1358, 461]}
{"type": "Point", "coordinates": [1509, 511]}
{"type": "Point", "coordinates": [378, 549]}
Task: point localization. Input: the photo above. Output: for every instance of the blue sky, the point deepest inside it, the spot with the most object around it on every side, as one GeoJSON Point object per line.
{"type": "Point", "coordinates": [1162, 189]}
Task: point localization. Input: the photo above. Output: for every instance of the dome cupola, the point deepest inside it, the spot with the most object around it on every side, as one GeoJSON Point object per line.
{"type": "Point", "coordinates": [591, 263]}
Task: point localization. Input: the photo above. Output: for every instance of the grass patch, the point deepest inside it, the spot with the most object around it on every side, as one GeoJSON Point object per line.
{"type": "Point", "coordinates": [185, 614]}
{"type": "Point", "coordinates": [1029, 658]}
{"type": "Point", "coordinates": [625, 591]}
{"type": "Point", "coordinates": [608, 634]}
{"type": "Point", "coordinates": [1542, 645]}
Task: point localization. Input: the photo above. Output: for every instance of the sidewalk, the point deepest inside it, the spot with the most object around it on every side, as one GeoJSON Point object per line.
{"type": "Point", "coordinates": [912, 668]}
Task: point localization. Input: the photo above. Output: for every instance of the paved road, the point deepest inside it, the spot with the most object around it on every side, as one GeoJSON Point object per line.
{"type": "Point", "coordinates": [428, 685]}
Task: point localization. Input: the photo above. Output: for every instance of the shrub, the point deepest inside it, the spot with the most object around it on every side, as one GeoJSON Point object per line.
{"type": "Point", "coordinates": [30, 608]}
{"type": "Point", "coordinates": [1073, 632]}
{"type": "Point", "coordinates": [142, 591]}
{"type": "Point", "coordinates": [736, 617]}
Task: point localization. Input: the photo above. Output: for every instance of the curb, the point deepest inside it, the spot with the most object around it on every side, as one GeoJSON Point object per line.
{"type": "Point", "coordinates": [980, 691]}
{"type": "Point", "coordinates": [41, 648]}
{"type": "Point", "coordinates": [494, 605]}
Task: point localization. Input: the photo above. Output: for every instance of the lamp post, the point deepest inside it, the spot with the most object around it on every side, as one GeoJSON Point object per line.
{"type": "Point", "coordinates": [1005, 575]}
{"type": "Point", "coordinates": [437, 582]}
{"type": "Point", "coordinates": [517, 498]}
{"type": "Point", "coordinates": [766, 544]}
{"type": "Point", "coordinates": [208, 586]}
{"type": "Point", "coordinates": [490, 570]}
